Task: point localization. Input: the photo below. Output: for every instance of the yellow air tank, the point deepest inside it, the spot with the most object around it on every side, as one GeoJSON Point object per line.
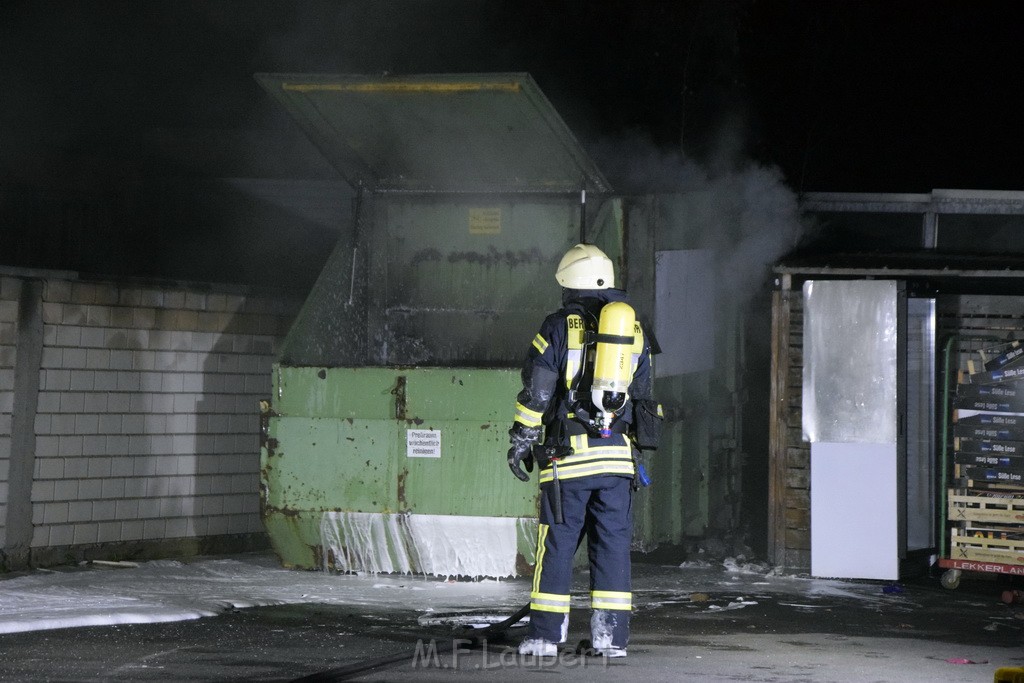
{"type": "Point", "coordinates": [613, 361]}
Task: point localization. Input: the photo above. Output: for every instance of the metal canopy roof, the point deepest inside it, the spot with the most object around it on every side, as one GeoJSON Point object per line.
{"type": "Point", "coordinates": [904, 265]}
{"type": "Point", "coordinates": [451, 133]}
{"type": "Point", "coordinates": [938, 201]}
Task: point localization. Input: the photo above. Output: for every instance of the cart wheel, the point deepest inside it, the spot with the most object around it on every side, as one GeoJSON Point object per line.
{"type": "Point", "coordinates": [950, 578]}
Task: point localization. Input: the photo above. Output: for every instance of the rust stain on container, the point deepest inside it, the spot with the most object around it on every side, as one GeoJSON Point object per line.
{"type": "Point", "coordinates": [402, 476]}
{"type": "Point", "coordinates": [493, 257]}
{"type": "Point", "coordinates": [318, 555]}
{"type": "Point", "coordinates": [524, 566]}
{"type": "Point", "coordinates": [400, 397]}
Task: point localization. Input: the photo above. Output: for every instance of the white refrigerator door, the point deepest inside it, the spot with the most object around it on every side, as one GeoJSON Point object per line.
{"type": "Point", "coordinates": [850, 417]}
{"type": "Point", "coordinates": [854, 525]}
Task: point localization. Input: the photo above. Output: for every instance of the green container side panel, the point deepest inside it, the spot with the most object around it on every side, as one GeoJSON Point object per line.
{"type": "Point", "coordinates": [482, 395]}
{"type": "Point", "coordinates": [338, 439]}
{"type": "Point", "coordinates": [330, 464]}
{"type": "Point", "coordinates": [363, 466]}
{"type": "Point", "coordinates": [470, 478]}
{"type": "Point", "coordinates": [659, 507]}
{"type": "Point", "coordinates": [675, 506]}
{"type": "Point", "coordinates": [335, 441]}
{"type": "Point", "coordinates": [333, 392]}
{"type": "Point", "coordinates": [295, 537]}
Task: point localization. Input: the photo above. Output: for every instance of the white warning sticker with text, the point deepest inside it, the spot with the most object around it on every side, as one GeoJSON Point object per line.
{"type": "Point", "coordinates": [423, 443]}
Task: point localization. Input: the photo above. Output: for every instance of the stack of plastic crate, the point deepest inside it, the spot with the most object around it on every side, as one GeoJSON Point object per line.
{"type": "Point", "coordinates": [986, 503]}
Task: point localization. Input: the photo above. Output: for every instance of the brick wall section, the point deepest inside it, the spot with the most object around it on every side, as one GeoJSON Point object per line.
{"type": "Point", "coordinates": [147, 423]}
{"type": "Point", "coordinates": [9, 289]}
{"type": "Point", "coordinates": [798, 451]}
{"type": "Point", "coordinates": [789, 456]}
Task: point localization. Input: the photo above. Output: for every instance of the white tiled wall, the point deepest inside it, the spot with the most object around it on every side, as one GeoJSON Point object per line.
{"type": "Point", "coordinates": [9, 289]}
{"type": "Point", "coordinates": [147, 425]}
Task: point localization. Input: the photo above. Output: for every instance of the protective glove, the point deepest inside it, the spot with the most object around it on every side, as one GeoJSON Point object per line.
{"type": "Point", "coordinates": [522, 439]}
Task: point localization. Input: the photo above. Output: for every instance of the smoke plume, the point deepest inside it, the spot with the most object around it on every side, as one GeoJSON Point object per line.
{"type": "Point", "coordinates": [742, 210]}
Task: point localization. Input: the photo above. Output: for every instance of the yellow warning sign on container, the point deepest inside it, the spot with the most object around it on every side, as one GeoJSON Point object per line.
{"type": "Point", "coordinates": [484, 221]}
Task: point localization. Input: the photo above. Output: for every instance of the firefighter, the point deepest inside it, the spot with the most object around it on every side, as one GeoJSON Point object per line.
{"type": "Point", "coordinates": [581, 419]}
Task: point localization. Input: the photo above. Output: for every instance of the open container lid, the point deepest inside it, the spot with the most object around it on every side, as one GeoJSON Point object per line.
{"type": "Point", "coordinates": [438, 133]}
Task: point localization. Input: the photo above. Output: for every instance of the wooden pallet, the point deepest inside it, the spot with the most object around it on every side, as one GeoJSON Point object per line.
{"type": "Point", "coordinates": [964, 508]}
{"type": "Point", "coordinates": [980, 549]}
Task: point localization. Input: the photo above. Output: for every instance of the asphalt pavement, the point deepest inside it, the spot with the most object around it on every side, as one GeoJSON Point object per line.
{"type": "Point", "coordinates": [691, 623]}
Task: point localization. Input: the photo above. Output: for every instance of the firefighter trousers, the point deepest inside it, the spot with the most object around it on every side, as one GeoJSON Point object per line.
{"type": "Point", "coordinates": [600, 508]}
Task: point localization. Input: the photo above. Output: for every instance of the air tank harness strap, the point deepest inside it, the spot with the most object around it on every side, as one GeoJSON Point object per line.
{"type": "Point", "coordinates": [609, 338]}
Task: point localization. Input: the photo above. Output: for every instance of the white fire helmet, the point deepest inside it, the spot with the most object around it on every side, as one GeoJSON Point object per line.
{"type": "Point", "coordinates": [585, 266]}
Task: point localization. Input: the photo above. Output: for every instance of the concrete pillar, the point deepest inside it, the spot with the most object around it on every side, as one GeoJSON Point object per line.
{"type": "Point", "coordinates": [27, 362]}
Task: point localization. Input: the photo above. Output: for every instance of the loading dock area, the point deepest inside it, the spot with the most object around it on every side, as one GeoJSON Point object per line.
{"type": "Point", "coordinates": [948, 267]}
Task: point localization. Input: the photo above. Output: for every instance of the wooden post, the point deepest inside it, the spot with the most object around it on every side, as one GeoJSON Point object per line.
{"type": "Point", "coordinates": [778, 424]}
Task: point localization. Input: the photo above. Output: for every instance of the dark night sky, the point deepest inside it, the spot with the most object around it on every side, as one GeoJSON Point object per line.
{"type": "Point", "coordinates": [842, 96]}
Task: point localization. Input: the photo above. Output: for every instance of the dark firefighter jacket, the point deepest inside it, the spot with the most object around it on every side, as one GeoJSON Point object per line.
{"type": "Point", "coordinates": [556, 381]}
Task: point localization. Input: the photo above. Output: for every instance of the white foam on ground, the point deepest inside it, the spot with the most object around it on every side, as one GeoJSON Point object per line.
{"type": "Point", "coordinates": [165, 590]}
